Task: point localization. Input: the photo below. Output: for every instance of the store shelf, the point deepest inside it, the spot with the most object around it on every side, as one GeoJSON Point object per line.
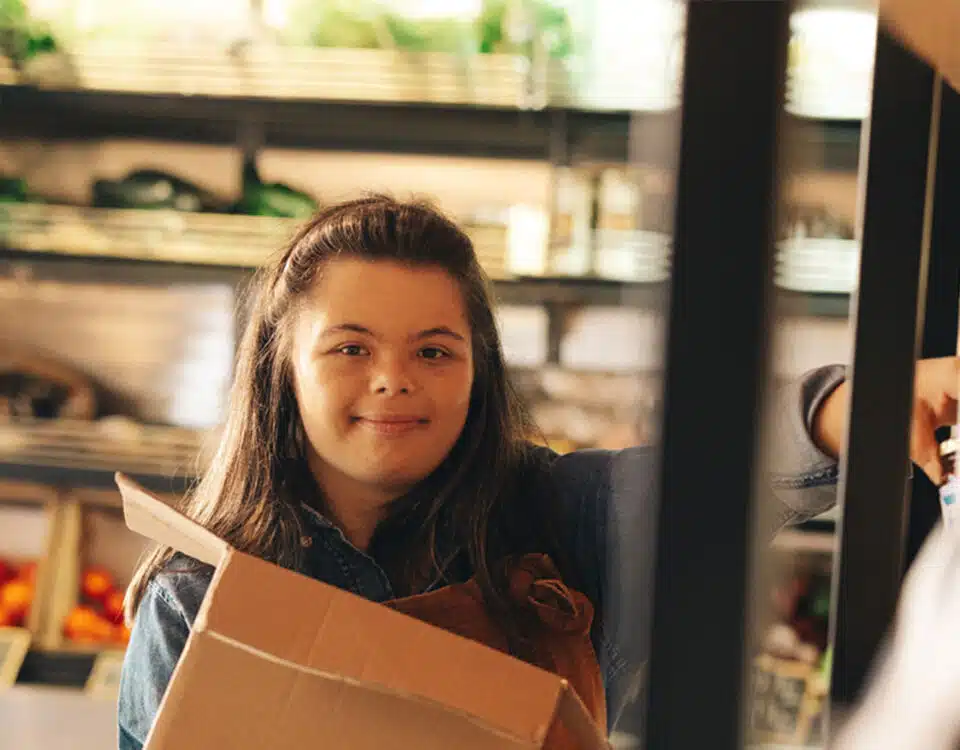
{"type": "Point", "coordinates": [553, 133]}
{"type": "Point", "coordinates": [60, 668]}
{"type": "Point", "coordinates": [87, 454]}
{"type": "Point", "coordinates": [178, 237]}
{"type": "Point", "coordinates": [822, 267]}
{"type": "Point", "coordinates": [303, 73]}
{"type": "Point", "coordinates": [420, 128]}
{"type": "Point", "coordinates": [806, 542]}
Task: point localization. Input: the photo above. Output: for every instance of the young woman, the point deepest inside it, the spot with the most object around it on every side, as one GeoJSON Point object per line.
{"type": "Point", "coordinates": [373, 442]}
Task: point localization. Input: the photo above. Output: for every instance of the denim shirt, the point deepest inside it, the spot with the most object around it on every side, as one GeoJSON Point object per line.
{"type": "Point", "coordinates": [609, 494]}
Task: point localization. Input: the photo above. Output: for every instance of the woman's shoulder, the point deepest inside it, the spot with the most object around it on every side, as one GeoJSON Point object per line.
{"type": "Point", "coordinates": [596, 470]}
{"type": "Point", "coordinates": [181, 585]}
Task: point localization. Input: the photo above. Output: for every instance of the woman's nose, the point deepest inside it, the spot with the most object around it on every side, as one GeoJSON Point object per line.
{"type": "Point", "coordinates": [392, 378]}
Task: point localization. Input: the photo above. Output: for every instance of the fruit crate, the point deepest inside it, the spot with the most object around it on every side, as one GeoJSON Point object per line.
{"type": "Point", "coordinates": [96, 560]}
{"type": "Point", "coordinates": [30, 521]}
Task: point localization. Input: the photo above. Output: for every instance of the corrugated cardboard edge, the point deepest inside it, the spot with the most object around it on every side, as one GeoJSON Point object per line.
{"type": "Point", "coordinates": [149, 516]}
{"type": "Point", "coordinates": [931, 28]}
{"type": "Point", "coordinates": [577, 719]}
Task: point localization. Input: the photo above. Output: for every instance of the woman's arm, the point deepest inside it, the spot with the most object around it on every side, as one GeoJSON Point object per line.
{"type": "Point", "coordinates": [610, 499]}
{"type": "Point", "coordinates": [158, 637]}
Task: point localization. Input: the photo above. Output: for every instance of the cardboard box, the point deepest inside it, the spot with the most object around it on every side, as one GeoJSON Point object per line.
{"type": "Point", "coordinates": [931, 28]}
{"type": "Point", "coordinates": [276, 659]}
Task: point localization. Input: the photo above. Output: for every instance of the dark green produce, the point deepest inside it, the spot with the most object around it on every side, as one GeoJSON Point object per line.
{"type": "Point", "coordinates": [153, 189]}
{"type": "Point", "coordinates": [273, 198]}
{"type": "Point", "coordinates": [21, 38]}
{"type": "Point", "coordinates": [510, 26]}
{"type": "Point", "coordinates": [12, 190]}
{"type": "Point", "coordinates": [452, 36]}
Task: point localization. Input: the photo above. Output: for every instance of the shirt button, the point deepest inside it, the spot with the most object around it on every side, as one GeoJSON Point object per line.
{"type": "Point", "coordinates": [306, 541]}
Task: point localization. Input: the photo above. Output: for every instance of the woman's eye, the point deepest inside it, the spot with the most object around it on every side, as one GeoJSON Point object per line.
{"type": "Point", "coordinates": [432, 352]}
{"type": "Point", "coordinates": [352, 350]}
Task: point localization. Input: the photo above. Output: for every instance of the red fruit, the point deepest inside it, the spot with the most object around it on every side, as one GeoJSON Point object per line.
{"type": "Point", "coordinates": [96, 584]}
{"type": "Point", "coordinates": [27, 572]}
{"type": "Point", "coordinates": [7, 571]}
{"type": "Point", "coordinates": [113, 607]}
{"type": "Point", "coordinates": [10, 619]}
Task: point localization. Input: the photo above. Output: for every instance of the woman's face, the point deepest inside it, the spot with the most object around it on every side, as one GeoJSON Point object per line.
{"type": "Point", "coordinates": [383, 370]}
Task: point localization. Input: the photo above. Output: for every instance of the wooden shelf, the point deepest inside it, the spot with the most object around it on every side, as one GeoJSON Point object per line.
{"type": "Point", "coordinates": [555, 133]}
{"type": "Point", "coordinates": [87, 454]}
{"type": "Point", "coordinates": [414, 128]}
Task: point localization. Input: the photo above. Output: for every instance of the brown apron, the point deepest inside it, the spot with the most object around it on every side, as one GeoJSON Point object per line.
{"type": "Point", "coordinates": [564, 647]}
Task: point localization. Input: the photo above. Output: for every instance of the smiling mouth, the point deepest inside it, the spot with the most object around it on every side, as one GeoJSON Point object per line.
{"type": "Point", "coordinates": [391, 425]}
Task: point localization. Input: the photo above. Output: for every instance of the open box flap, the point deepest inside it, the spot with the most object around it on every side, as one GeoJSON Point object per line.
{"type": "Point", "coordinates": [931, 28]}
{"type": "Point", "coordinates": [149, 516]}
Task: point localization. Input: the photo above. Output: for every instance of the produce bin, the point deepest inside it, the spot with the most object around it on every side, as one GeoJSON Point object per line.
{"type": "Point", "coordinates": [29, 519]}
{"type": "Point", "coordinates": [96, 561]}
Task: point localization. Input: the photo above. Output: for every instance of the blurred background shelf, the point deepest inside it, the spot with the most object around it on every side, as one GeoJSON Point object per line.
{"type": "Point", "coordinates": [556, 133]}
{"type": "Point", "coordinates": [59, 668]}
{"type": "Point", "coordinates": [61, 453]}
{"type": "Point", "coordinates": [418, 128]}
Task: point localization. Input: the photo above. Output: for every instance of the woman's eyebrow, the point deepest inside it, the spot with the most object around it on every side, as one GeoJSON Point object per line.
{"type": "Point", "coordinates": [424, 334]}
{"type": "Point", "coordinates": [346, 328]}
{"type": "Point", "coordinates": [437, 331]}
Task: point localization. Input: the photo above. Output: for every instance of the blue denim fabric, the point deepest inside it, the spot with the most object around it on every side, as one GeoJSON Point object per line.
{"type": "Point", "coordinates": [611, 501]}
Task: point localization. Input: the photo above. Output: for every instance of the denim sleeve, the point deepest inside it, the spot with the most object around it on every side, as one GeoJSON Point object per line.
{"type": "Point", "coordinates": [158, 637]}
{"type": "Point", "coordinates": [128, 741]}
{"type": "Point", "coordinates": [611, 499]}
{"type": "Point", "coordinates": [803, 479]}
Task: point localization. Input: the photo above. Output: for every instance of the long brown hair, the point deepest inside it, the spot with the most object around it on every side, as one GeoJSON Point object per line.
{"type": "Point", "coordinates": [483, 494]}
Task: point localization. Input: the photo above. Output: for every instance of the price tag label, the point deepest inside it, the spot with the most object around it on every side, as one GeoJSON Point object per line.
{"type": "Point", "coordinates": [14, 644]}
{"type": "Point", "coordinates": [104, 679]}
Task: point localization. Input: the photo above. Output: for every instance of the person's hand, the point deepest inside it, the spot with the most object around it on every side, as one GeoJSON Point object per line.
{"type": "Point", "coordinates": [913, 699]}
{"type": "Point", "coordinates": [934, 405]}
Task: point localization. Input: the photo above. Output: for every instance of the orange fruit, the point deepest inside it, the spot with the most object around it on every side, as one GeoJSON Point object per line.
{"type": "Point", "coordinates": [121, 635]}
{"type": "Point", "coordinates": [80, 623]}
{"type": "Point", "coordinates": [96, 584]}
{"type": "Point", "coordinates": [16, 596]}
